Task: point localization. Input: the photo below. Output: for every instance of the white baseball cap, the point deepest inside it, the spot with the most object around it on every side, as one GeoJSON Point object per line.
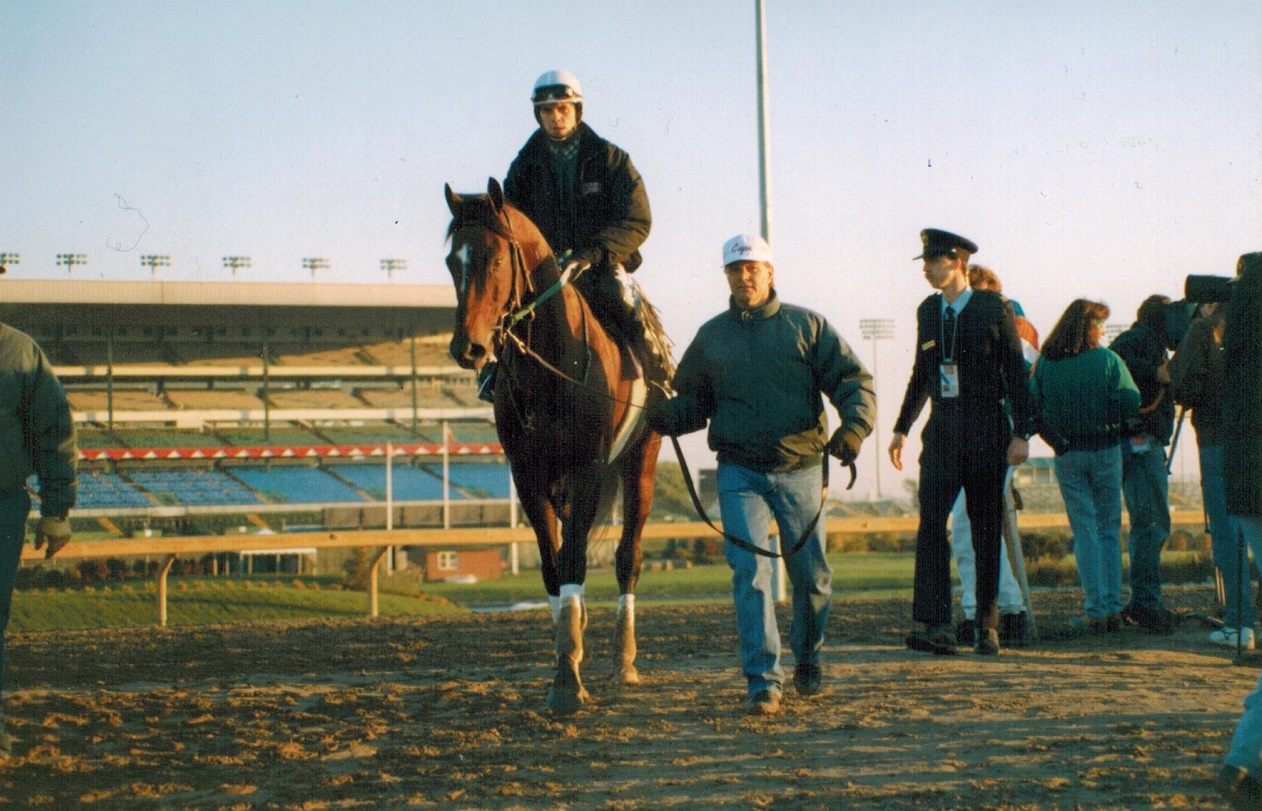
{"type": "Point", "coordinates": [746, 248]}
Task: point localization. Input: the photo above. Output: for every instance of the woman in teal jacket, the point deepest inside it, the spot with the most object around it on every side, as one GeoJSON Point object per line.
{"type": "Point", "coordinates": [1085, 397]}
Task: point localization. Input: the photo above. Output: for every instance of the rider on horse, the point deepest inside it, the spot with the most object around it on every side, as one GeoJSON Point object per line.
{"type": "Point", "coordinates": [589, 202]}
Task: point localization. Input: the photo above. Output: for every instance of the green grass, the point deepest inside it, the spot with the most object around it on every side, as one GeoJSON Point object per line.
{"type": "Point", "coordinates": [121, 607]}
{"type": "Point", "coordinates": [873, 574]}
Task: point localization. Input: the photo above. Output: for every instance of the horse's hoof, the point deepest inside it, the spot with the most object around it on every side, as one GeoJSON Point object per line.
{"type": "Point", "coordinates": [566, 702]}
{"type": "Point", "coordinates": [627, 675]}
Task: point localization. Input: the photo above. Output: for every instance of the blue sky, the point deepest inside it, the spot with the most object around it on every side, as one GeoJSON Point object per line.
{"type": "Point", "coordinates": [1102, 149]}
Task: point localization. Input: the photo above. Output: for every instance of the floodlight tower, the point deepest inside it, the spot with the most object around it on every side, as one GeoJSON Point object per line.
{"type": "Point", "coordinates": [8, 259]}
{"type": "Point", "coordinates": [236, 262]}
{"type": "Point", "coordinates": [391, 265]}
{"type": "Point", "coordinates": [876, 329]}
{"type": "Point", "coordinates": [69, 260]}
{"type": "Point", "coordinates": [314, 264]}
{"type": "Point", "coordinates": [155, 261]}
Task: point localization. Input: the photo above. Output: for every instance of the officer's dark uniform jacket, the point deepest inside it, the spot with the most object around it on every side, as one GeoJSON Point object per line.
{"type": "Point", "coordinates": [757, 376]}
{"type": "Point", "coordinates": [1242, 391]}
{"type": "Point", "coordinates": [607, 218]}
{"type": "Point", "coordinates": [991, 368]}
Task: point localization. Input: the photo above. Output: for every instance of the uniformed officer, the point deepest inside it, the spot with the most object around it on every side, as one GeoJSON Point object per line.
{"type": "Point", "coordinates": [968, 360]}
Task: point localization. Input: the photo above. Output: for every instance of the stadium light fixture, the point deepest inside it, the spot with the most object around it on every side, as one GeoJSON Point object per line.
{"type": "Point", "coordinates": [314, 264]}
{"type": "Point", "coordinates": [391, 265]}
{"type": "Point", "coordinates": [876, 329]}
{"type": "Point", "coordinates": [8, 259]}
{"type": "Point", "coordinates": [236, 262]}
{"type": "Point", "coordinates": [155, 261]}
{"type": "Point", "coordinates": [69, 260]}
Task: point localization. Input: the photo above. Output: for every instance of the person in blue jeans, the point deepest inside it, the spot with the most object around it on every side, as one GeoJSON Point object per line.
{"type": "Point", "coordinates": [758, 374]}
{"type": "Point", "coordinates": [1145, 482]}
{"type": "Point", "coordinates": [1196, 380]}
{"type": "Point", "coordinates": [1084, 400]}
{"type": "Point", "coordinates": [37, 435]}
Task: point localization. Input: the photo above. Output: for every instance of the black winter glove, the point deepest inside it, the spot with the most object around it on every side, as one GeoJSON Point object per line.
{"type": "Point", "coordinates": [844, 445]}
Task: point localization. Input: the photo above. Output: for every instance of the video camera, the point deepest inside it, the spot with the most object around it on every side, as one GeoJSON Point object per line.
{"type": "Point", "coordinates": [1197, 289]}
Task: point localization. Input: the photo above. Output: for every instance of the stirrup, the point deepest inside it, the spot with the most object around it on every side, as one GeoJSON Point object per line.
{"type": "Point", "coordinates": [486, 382]}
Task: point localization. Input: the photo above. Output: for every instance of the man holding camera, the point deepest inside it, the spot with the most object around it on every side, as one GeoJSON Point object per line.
{"type": "Point", "coordinates": [1241, 777]}
{"type": "Point", "coordinates": [1145, 483]}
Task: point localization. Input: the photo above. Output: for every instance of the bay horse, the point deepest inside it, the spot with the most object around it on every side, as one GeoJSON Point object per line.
{"type": "Point", "coordinates": [568, 413]}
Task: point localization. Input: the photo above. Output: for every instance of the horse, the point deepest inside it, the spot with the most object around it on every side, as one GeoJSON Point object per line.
{"type": "Point", "coordinates": [568, 410]}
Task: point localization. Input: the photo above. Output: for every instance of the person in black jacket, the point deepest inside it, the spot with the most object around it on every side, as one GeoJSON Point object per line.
{"type": "Point", "coordinates": [1240, 780]}
{"type": "Point", "coordinates": [968, 360]}
{"type": "Point", "coordinates": [1145, 482]}
{"type": "Point", "coordinates": [589, 202]}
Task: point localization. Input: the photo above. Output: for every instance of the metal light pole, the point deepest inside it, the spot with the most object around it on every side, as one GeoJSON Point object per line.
{"type": "Point", "coordinates": [764, 125]}
{"type": "Point", "coordinates": [391, 265]}
{"type": "Point", "coordinates": [236, 262]}
{"type": "Point", "coordinates": [153, 262]}
{"type": "Point", "coordinates": [8, 259]}
{"type": "Point", "coordinates": [69, 260]}
{"type": "Point", "coordinates": [314, 264]}
{"type": "Point", "coordinates": [876, 329]}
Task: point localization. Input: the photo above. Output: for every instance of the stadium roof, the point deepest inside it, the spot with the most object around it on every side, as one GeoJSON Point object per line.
{"type": "Point", "coordinates": [88, 302]}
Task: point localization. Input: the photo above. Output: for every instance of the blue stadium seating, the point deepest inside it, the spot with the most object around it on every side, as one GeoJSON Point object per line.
{"type": "Point", "coordinates": [108, 490]}
{"type": "Point", "coordinates": [410, 484]}
{"type": "Point", "coordinates": [480, 479]}
{"type": "Point", "coordinates": [193, 487]}
{"type": "Point", "coordinates": [297, 484]}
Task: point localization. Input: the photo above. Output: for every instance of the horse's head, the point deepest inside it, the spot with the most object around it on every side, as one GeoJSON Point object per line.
{"type": "Point", "coordinates": [488, 282]}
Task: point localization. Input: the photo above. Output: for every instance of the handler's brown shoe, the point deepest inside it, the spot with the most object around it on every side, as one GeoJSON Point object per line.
{"type": "Point", "coordinates": [764, 702]}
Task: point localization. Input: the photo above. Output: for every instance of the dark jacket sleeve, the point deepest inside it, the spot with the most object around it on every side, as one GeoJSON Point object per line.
{"type": "Point", "coordinates": [845, 382]}
{"type": "Point", "coordinates": [922, 373]}
{"type": "Point", "coordinates": [621, 236]}
{"type": "Point", "coordinates": [1016, 375]}
{"type": "Point", "coordinates": [1189, 366]}
{"type": "Point", "coordinates": [693, 405]}
{"type": "Point", "coordinates": [50, 439]}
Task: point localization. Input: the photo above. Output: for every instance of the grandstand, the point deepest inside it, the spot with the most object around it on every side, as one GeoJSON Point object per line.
{"type": "Point", "coordinates": [265, 400]}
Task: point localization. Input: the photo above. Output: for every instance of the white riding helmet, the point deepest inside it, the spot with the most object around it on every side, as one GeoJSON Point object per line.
{"type": "Point", "coordinates": [557, 85]}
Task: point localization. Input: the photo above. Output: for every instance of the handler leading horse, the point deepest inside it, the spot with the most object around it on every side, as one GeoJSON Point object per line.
{"type": "Point", "coordinates": [567, 409]}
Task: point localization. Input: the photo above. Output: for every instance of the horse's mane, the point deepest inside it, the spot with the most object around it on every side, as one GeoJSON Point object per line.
{"type": "Point", "coordinates": [480, 210]}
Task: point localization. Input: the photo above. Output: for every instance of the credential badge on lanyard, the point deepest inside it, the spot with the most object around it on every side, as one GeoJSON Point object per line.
{"type": "Point", "coordinates": [949, 370]}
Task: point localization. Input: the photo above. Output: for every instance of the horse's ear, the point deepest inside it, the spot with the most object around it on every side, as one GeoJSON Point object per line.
{"type": "Point", "coordinates": [453, 199]}
{"type": "Point", "coordinates": [497, 193]}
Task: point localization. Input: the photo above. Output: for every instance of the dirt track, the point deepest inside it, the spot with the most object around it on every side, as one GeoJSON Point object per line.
{"type": "Point", "coordinates": [447, 713]}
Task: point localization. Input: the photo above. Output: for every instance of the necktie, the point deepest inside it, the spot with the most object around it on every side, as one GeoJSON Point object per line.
{"type": "Point", "coordinates": [948, 333]}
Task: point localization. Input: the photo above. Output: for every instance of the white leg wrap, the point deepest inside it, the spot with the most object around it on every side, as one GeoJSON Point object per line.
{"type": "Point", "coordinates": [626, 604]}
{"type": "Point", "coordinates": [555, 604]}
{"type": "Point", "coordinates": [571, 591]}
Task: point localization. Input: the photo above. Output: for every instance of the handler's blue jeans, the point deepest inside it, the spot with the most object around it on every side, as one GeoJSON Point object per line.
{"type": "Point", "coordinates": [1146, 487]}
{"type": "Point", "coordinates": [747, 501]}
{"type": "Point", "coordinates": [1222, 529]}
{"type": "Point", "coordinates": [14, 507]}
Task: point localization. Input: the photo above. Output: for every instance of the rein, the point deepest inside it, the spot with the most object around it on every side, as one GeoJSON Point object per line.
{"type": "Point", "coordinates": [741, 542]}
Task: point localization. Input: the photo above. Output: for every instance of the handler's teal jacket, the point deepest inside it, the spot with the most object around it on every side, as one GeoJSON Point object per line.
{"type": "Point", "coordinates": [36, 430]}
{"type": "Point", "coordinates": [757, 377]}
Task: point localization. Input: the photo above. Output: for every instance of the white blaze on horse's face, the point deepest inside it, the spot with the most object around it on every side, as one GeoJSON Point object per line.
{"type": "Point", "coordinates": [462, 256]}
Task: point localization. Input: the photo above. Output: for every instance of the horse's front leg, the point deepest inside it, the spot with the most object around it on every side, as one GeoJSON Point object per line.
{"type": "Point", "coordinates": [567, 694]}
{"type": "Point", "coordinates": [636, 471]}
{"type": "Point", "coordinates": [543, 519]}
